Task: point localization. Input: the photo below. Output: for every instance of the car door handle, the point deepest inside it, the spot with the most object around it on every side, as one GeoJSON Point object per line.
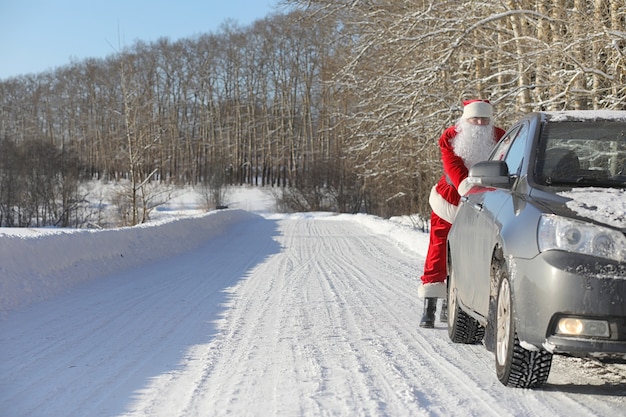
{"type": "Point", "coordinates": [475, 206]}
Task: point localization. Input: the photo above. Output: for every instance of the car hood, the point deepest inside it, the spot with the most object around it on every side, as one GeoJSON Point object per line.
{"type": "Point", "coordinates": [598, 205]}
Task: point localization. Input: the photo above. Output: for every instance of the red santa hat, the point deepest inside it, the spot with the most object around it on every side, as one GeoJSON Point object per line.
{"type": "Point", "coordinates": [477, 108]}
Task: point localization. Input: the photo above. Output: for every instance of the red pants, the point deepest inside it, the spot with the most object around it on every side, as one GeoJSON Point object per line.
{"type": "Point", "coordinates": [435, 268]}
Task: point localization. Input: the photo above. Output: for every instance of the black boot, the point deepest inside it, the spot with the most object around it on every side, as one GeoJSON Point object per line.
{"type": "Point", "coordinates": [428, 319]}
{"type": "Point", "coordinates": [443, 314]}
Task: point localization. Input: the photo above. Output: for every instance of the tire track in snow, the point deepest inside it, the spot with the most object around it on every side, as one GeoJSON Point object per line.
{"type": "Point", "coordinates": [382, 353]}
{"type": "Point", "coordinates": [329, 327]}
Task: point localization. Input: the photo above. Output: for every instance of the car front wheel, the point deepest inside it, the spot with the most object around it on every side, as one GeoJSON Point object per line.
{"type": "Point", "coordinates": [515, 366]}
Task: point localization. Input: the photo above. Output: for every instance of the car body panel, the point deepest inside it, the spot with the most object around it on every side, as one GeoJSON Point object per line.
{"type": "Point", "coordinates": [574, 285]}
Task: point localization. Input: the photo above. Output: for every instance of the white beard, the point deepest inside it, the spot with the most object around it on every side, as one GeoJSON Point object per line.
{"type": "Point", "coordinates": [473, 143]}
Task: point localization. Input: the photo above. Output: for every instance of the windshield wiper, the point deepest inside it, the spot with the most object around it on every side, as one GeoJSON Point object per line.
{"type": "Point", "coordinates": [586, 182]}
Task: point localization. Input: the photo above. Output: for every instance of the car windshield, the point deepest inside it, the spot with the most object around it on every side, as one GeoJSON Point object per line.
{"type": "Point", "coordinates": [582, 154]}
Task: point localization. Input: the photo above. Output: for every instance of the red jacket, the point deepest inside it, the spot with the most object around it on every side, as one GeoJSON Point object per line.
{"type": "Point", "coordinates": [445, 203]}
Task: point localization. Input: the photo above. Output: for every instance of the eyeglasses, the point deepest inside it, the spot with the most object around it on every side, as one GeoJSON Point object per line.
{"type": "Point", "coordinates": [479, 120]}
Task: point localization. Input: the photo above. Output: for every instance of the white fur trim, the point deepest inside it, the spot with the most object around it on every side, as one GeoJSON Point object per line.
{"type": "Point", "coordinates": [441, 207]}
{"type": "Point", "coordinates": [464, 187]}
{"type": "Point", "coordinates": [477, 109]}
{"type": "Point", "coordinates": [434, 290]}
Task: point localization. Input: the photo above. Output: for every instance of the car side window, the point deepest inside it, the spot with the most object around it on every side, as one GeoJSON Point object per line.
{"type": "Point", "coordinates": [503, 145]}
{"type": "Point", "coordinates": [511, 148]}
{"type": "Point", "coordinates": [515, 155]}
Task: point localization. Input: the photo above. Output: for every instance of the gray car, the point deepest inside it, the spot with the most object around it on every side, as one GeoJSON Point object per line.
{"type": "Point", "coordinates": [537, 252]}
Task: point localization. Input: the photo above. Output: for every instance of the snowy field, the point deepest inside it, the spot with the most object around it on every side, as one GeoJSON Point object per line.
{"type": "Point", "coordinates": [247, 312]}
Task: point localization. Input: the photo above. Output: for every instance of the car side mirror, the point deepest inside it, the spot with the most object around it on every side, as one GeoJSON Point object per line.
{"type": "Point", "coordinates": [490, 174]}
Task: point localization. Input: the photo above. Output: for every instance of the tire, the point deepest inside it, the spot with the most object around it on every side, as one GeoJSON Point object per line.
{"type": "Point", "coordinates": [515, 366]}
{"type": "Point", "coordinates": [461, 327]}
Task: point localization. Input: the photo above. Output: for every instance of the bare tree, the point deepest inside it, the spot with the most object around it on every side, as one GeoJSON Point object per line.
{"type": "Point", "coordinates": [341, 102]}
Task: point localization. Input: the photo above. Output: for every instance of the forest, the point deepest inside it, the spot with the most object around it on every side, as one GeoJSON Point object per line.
{"type": "Point", "coordinates": [337, 104]}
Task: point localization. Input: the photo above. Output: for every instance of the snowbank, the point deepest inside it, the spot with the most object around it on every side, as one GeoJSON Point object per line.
{"type": "Point", "coordinates": [36, 264]}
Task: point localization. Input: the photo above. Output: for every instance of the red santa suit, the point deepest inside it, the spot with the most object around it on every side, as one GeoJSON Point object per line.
{"type": "Point", "coordinates": [445, 196]}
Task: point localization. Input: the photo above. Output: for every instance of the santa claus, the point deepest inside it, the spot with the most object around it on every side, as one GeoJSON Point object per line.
{"type": "Point", "coordinates": [469, 141]}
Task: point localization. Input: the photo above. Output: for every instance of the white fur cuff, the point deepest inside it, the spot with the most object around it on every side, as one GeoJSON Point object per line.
{"type": "Point", "coordinates": [464, 187]}
{"type": "Point", "coordinates": [433, 290]}
{"type": "Point", "coordinates": [441, 207]}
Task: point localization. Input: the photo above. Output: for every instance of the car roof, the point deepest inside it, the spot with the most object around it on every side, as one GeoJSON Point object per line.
{"type": "Point", "coordinates": [583, 115]}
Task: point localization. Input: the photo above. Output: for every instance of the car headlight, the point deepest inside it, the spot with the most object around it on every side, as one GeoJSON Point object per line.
{"type": "Point", "coordinates": [557, 232]}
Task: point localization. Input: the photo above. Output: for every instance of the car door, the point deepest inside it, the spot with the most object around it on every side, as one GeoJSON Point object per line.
{"type": "Point", "coordinates": [469, 225]}
{"type": "Point", "coordinates": [494, 202]}
{"type": "Point", "coordinates": [486, 203]}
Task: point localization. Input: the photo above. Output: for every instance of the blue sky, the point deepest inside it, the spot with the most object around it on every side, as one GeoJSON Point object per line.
{"type": "Point", "coordinates": [40, 35]}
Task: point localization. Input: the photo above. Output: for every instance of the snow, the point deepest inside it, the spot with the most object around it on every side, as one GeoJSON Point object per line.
{"type": "Point", "coordinates": [605, 205]}
{"type": "Point", "coordinates": [559, 116]}
{"type": "Point", "coordinates": [248, 312]}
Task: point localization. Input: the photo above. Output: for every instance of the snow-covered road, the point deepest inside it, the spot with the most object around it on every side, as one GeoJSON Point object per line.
{"type": "Point", "coordinates": [301, 315]}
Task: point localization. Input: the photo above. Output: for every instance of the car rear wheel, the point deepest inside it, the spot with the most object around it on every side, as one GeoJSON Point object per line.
{"type": "Point", "coordinates": [461, 327]}
{"type": "Point", "coordinates": [516, 366]}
